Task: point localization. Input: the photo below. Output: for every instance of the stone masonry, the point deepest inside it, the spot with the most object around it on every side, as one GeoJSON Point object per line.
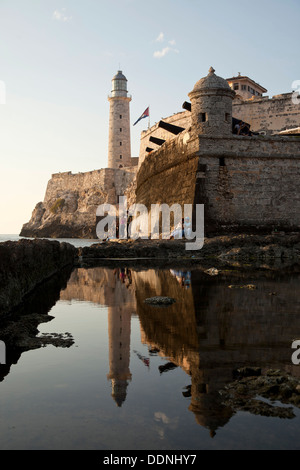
{"type": "Point", "coordinates": [119, 149]}
{"type": "Point", "coordinates": [243, 182]}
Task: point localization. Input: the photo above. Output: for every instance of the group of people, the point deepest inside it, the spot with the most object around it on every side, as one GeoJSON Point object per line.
{"type": "Point", "coordinates": [121, 229]}
{"type": "Point", "coordinates": [242, 128]}
{"type": "Point", "coordinates": [183, 229]}
{"type": "Point", "coordinates": [183, 277]}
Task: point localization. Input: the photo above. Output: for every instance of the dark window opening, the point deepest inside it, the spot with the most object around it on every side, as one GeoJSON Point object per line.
{"type": "Point", "coordinates": [203, 117]}
{"type": "Point", "coordinates": [227, 117]}
{"type": "Point", "coordinates": [120, 129]}
{"type": "Point", "coordinates": [120, 116]}
{"type": "Point", "coordinates": [222, 161]}
{"type": "Point", "coordinates": [120, 143]}
{"type": "Point", "coordinates": [236, 86]}
{"type": "Point", "coordinates": [120, 166]}
{"type": "Point", "coordinates": [121, 157]}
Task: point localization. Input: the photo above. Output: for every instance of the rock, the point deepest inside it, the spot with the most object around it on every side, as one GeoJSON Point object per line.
{"type": "Point", "coordinates": [26, 263]}
{"type": "Point", "coordinates": [247, 372]}
{"type": "Point", "coordinates": [248, 286]}
{"type": "Point", "coordinates": [160, 301]}
{"type": "Point", "coordinates": [273, 385]}
{"type": "Point", "coordinates": [212, 271]}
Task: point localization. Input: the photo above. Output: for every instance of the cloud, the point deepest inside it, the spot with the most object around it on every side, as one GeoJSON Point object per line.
{"type": "Point", "coordinates": [61, 15]}
{"type": "Point", "coordinates": [160, 37]}
{"type": "Point", "coordinates": [163, 52]}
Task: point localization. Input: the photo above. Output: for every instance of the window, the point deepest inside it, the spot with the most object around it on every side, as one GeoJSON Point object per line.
{"type": "Point", "coordinates": [222, 161]}
{"type": "Point", "coordinates": [121, 157]}
{"type": "Point", "coordinates": [120, 116]}
{"type": "Point", "coordinates": [227, 117]}
{"type": "Point", "coordinates": [120, 144]}
{"type": "Point", "coordinates": [202, 117]}
{"type": "Point", "coordinates": [244, 87]}
{"type": "Point", "coordinates": [120, 129]}
{"type": "Point", "coordinates": [236, 86]}
{"type": "Point", "coordinates": [120, 166]}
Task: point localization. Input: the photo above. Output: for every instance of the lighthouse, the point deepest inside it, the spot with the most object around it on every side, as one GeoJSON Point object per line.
{"type": "Point", "coordinates": [119, 148]}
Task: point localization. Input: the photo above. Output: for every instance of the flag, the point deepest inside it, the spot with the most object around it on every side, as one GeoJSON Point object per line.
{"type": "Point", "coordinates": [145, 114]}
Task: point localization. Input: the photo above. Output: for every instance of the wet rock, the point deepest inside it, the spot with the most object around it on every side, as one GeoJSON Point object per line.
{"type": "Point", "coordinates": [212, 271]}
{"type": "Point", "coordinates": [247, 372]}
{"type": "Point", "coordinates": [153, 351]}
{"type": "Point", "coordinates": [246, 392]}
{"type": "Point", "coordinates": [158, 301]}
{"type": "Point", "coordinates": [27, 263]}
{"type": "Point", "coordinates": [167, 367]}
{"type": "Point", "coordinates": [187, 393]}
{"type": "Point", "coordinates": [247, 286]}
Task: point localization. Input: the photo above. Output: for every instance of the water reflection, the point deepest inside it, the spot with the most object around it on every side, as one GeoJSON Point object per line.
{"type": "Point", "coordinates": [19, 328]}
{"type": "Point", "coordinates": [210, 331]}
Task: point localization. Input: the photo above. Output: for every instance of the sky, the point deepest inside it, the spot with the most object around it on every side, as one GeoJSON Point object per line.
{"type": "Point", "coordinates": [57, 59]}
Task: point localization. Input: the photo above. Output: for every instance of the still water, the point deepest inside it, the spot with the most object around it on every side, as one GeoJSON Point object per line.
{"type": "Point", "coordinates": [145, 377]}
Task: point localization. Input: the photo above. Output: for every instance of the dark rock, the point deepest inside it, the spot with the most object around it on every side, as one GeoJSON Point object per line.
{"type": "Point", "coordinates": [247, 372]}
{"type": "Point", "coordinates": [27, 263]}
{"type": "Point", "coordinates": [159, 301]}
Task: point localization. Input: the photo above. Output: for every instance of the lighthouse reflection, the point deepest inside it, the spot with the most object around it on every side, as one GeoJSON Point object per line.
{"type": "Point", "coordinates": [208, 332]}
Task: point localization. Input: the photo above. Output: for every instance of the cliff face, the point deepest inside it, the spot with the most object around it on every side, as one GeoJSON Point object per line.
{"type": "Point", "coordinates": [71, 201]}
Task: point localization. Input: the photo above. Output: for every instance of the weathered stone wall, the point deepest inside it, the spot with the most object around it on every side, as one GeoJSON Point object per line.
{"type": "Point", "coordinates": [243, 182]}
{"type": "Point", "coordinates": [169, 174]}
{"type": "Point", "coordinates": [119, 132]}
{"type": "Point", "coordinates": [182, 119]}
{"type": "Point", "coordinates": [71, 201]}
{"type": "Point", "coordinates": [268, 115]}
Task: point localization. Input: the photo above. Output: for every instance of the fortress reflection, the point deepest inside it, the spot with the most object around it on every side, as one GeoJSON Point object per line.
{"type": "Point", "coordinates": [209, 332]}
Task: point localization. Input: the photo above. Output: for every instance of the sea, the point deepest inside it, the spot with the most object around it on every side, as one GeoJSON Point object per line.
{"type": "Point", "coordinates": [78, 242]}
{"type": "Point", "coordinates": [145, 377]}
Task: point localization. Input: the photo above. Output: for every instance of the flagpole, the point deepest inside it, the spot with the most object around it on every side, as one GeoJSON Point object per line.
{"type": "Point", "coordinates": [149, 118]}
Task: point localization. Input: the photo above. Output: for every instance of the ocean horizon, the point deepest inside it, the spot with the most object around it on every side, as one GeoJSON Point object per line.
{"type": "Point", "coordinates": [77, 242]}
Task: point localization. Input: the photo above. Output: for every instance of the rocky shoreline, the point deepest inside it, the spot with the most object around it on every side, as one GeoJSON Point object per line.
{"type": "Point", "coordinates": [277, 250]}
{"type": "Point", "coordinates": [27, 263]}
{"type": "Point", "coordinates": [263, 392]}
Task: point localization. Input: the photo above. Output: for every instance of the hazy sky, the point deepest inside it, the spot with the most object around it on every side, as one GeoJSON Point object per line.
{"type": "Point", "coordinates": [57, 59]}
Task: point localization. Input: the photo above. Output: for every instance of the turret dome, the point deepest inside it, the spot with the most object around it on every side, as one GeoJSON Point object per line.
{"type": "Point", "coordinates": [211, 81]}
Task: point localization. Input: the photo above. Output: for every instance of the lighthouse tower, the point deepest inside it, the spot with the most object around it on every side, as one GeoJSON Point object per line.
{"type": "Point", "coordinates": [119, 149]}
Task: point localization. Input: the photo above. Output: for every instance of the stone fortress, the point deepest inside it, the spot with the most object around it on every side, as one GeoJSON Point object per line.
{"type": "Point", "coordinates": [246, 182]}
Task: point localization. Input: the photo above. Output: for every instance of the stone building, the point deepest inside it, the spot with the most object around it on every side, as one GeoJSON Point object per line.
{"type": "Point", "coordinates": [71, 200]}
{"type": "Point", "coordinates": [244, 182]}
{"type": "Point", "coordinates": [266, 116]}
{"type": "Point", "coordinates": [245, 88]}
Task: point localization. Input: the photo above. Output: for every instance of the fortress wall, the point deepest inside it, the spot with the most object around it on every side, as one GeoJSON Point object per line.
{"type": "Point", "coordinates": [182, 119]}
{"type": "Point", "coordinates": [270, 115]}
{"type": "Point", "coordinates": [168, 175]}
{"type": "Point", "coordinates": [108, 180]}
{"type": "Point", "coordinates": [255, 183]}
{"type": "Point", "coordinates": [62, 182]}
{"type": "Point", "coordinates": [242, 181]}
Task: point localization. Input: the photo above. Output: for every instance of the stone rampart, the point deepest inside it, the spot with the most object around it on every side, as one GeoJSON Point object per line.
{"type": "Point", "coordinates": [243, 182]}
